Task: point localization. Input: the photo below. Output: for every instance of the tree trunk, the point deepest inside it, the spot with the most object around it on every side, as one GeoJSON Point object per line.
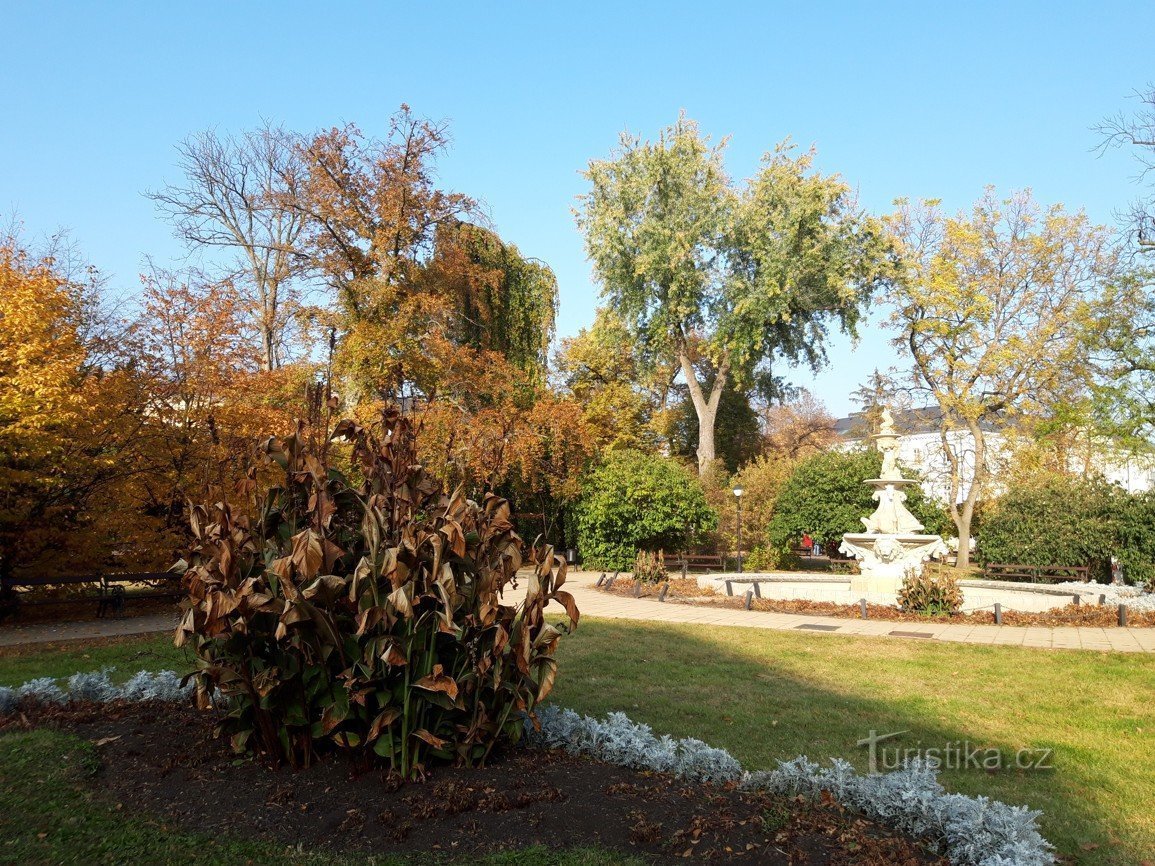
{"type": "Point", "coordinates": [965, 515]}
{"type": "Point", "coordinates": [705, 407]}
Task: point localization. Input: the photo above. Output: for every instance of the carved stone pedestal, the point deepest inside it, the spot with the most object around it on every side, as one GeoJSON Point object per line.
{"type": "Point", "coordinates": [885, 559]}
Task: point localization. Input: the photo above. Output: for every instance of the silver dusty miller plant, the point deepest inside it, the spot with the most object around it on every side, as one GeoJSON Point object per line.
{"type": "Point", "coordinates": [972, 831]}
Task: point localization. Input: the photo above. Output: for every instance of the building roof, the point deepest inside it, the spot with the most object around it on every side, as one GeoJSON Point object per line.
{"type": "Point", "coordinates": [857, 425]}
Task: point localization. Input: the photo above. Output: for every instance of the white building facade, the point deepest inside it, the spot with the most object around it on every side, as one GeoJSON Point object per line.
{"type": "Point", "coordinates": [921, 448]}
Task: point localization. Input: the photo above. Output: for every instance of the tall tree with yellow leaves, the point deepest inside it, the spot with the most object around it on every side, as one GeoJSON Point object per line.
{"type": "Point", "coordinates": [993, 309]}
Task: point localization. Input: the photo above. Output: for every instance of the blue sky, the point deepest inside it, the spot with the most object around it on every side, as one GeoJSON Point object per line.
{"type": "Point", "coordinates": [911, 99]}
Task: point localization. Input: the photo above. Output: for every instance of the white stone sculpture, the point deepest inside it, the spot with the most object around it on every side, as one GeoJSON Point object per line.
{"type": "Point", "coordinates": [893, 544]}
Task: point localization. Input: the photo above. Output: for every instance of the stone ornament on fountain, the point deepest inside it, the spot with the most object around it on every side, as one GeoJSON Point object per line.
{"type": "Point", "coordinates": [893, 545]}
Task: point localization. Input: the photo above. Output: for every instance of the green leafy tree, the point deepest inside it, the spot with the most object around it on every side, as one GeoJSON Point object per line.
{"type": "Point", "coordinates": [719, 278]}
{"type": "Point", "coordinates": [634, 501]}
{"type": "Point", "coordinates": [825, 497]}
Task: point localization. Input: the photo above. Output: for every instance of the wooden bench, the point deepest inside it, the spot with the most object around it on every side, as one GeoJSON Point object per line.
{"type": "Point", "coordinates": [110, 590]}
{"type": "Point", "coordinates": [700, 561]}
{"type": "Point", "coordinates": [1036, 573]}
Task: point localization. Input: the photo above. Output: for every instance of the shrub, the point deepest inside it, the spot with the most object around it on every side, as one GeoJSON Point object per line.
{"type": "Point", "coordinates": [94, 686]}
{"type": "Point", "coordinates": [933, 595]}
{"type": "Point", "coordinates": [635, 501]}
{"type": "Point", "coordinates": [760, 480]}
{"type": "Point", "coordinates": [650, 567]}
{"type": "Point", "coordinates": [1053, 519]}
{"type": "Point", "coordinates": [761, 558]}
{"type": "Point", "coordinates": [372, 617]}
{"type": "Point", "coordinates": [43, 690]}
{"type": "Point", "coordinates": [825, 496]}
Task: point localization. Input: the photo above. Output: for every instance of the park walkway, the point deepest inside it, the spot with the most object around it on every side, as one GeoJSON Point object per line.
{"type": "Point", "coordinates": [593, 603]}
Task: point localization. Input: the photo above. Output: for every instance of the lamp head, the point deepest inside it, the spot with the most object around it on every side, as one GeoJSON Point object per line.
{"type": "Point", "coordinates": [738, 491]}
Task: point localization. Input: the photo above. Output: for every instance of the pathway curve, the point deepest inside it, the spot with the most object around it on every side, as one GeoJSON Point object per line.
{"type": "Point", "coordinates": [594, 603]}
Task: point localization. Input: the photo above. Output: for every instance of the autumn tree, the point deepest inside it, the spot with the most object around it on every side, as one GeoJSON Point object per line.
{"type": "Point", "coordinates": [798, 428]}
{"type": "Point", "coordinates": [372, 211]}
{"type": "Point", "coordinates": [993, 309]}
{"type": "Point", "coordinates": [720, 278]}
{"type": "Point", "coordinates": [501, 301]}
{"type": "Point", "coordinates": [625, 402]}
{"type": "Point", "coordinates": [68, 417]}
{"type": "Point", "coordinates": [239, 195]}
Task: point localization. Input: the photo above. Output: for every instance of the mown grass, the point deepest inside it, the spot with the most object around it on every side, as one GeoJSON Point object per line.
{"type": "Point", "coordinates": [768, 695]}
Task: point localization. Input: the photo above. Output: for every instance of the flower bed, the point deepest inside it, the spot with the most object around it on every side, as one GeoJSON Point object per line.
{"type": "Point", "coordinates": [161, 764]}
{"type": "Point", "coordinates": [967, 830]}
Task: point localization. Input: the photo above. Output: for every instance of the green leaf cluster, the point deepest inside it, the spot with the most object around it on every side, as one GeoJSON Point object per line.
{"type": "Point", "coordinates": [1058, 519]}
{"type": "Point", "coordinates": [825, 497]}
{"type": "Point", "coordinates": [635, 501]}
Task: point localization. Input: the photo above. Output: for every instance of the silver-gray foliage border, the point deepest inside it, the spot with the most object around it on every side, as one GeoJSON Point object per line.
{"type": "Point", "coordinates": [97, 686]}
{"type": "Point", "coordinates": [975, 831]}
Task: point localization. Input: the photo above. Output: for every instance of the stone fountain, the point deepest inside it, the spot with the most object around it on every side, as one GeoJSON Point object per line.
{"type": "Point", "coordinates": [893, 544]}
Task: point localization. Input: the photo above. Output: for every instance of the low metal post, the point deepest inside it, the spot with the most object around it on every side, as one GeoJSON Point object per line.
{"type": "Point", "coordinates": [662, 593]}
{"type": "Point", "coordinates": [1122, 616]}
{"type": "Point", "coordinates": [1102, 599]}
{"type": "Point", "coordinates": [601, 579]}
{"type": "Point", "coordinates": [637, 588]}
{"type": "Point", "coordinates": [613, 577]}
{"type": "Point", "coordinates": [998, 614]}
{"type": "Point", "coordinates": [757, 591]}
{"type": "Point", "coordinates": [1076, 600]}
{"type": "Point", "coordinates": [862, 607]}
{"type": "Point", "coordinates": [749, 598]}
{"type": "Point", "coordinates": [729, 588]}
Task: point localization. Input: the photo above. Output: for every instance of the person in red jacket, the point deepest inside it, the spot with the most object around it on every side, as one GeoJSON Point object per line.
{"type": "Point", "coordinates": [807, 544]}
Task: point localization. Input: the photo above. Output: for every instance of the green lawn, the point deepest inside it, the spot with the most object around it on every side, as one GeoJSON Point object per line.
{"type": "Point", "coordinates": [766, 695]}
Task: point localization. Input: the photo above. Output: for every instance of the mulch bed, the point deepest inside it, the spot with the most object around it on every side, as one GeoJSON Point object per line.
{"type": "Point", "coordinates": [161, 761]}
{"type": "Point", "coordinates": [687, 591]}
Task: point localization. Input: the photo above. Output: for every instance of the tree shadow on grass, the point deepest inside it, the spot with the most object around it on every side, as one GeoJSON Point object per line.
{"type": "Point", "coordinates": [766, 696]}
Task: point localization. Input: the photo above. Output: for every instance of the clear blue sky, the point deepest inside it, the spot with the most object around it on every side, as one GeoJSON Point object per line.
{"type": "Point", "coordinates": [918, 99]}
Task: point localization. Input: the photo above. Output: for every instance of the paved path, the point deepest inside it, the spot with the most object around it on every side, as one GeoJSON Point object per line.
{"type": "Point", "coordinates": [591, 602]}
{"type": "Point", "coordinates": [43, 632]}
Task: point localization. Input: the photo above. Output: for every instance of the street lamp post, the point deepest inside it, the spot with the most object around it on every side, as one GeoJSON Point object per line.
{"type": "Point", "coordinates": [738, 499]}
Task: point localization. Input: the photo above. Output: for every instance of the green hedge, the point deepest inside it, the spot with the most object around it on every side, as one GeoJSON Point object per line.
{"type": "Point", "coordinates": [634, 501]}
{"type": "Point", "coordinates": [1059, 520]}
{"type": "Point", "coordinates": [825, 496]}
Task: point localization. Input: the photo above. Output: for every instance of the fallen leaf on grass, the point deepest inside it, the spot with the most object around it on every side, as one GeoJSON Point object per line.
{"type": "Point", "coordinates": [104, 741]}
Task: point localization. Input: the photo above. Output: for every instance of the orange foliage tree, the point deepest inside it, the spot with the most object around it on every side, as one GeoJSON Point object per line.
{"type": "Point", "coordinates": [69, 419]}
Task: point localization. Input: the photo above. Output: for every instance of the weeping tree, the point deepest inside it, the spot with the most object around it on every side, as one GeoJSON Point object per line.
{"type": "Point", "coordinates": [722, 278]}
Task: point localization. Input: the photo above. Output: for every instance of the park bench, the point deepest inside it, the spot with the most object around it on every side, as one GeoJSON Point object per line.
{"type": "Point", "coordinates": [700, 561]}
{"type": "Point", "coordinates": [1036, 573]}
{"type": "Point", "coordinates": [109, 590]}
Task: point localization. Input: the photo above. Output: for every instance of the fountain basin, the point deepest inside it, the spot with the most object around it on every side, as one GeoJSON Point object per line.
{"type": "Point", "coordinates": [886, 558]}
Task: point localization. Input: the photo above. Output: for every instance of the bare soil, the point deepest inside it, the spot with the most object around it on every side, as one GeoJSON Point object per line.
{"type": "Point", "coordinates": [162, 761]}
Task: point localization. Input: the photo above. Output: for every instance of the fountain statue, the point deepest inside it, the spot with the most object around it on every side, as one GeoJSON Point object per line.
{"type": "Point", "coordinates": [892, 545]}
